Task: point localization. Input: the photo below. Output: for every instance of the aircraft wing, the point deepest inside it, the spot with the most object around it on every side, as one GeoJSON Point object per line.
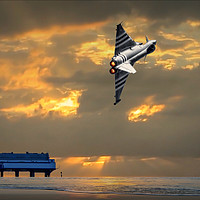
{"type": "Point", "coordinates": [123, 40]}
{"type": "Point", "coordinates": [120, 79]}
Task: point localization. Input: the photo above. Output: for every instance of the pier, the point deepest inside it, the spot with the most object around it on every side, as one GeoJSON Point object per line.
{"type": "Point", "coordinates": [31, 162]}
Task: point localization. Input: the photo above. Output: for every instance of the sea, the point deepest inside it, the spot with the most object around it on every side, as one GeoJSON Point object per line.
{"type": "Point", "coordinates": [189, 186]}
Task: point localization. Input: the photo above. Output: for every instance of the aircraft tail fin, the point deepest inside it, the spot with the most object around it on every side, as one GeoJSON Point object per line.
{"type": "Point", "coordinates": [147, 39]}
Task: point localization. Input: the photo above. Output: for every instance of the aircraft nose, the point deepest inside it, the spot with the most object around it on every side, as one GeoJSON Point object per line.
{"type": "Point", "coordinates": [154, 42]}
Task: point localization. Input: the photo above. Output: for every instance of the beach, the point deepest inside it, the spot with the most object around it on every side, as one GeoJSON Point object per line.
{"type": "Point", "coordinates": [14, 194]}
{"type": "Point", "coordinates": [91, 188]}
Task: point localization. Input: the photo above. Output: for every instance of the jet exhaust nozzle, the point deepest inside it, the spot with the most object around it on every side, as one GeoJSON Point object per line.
{"type": "Point", "coordinates": [113, 63]}
{"type": "Point", "coordinates": [112, 70]}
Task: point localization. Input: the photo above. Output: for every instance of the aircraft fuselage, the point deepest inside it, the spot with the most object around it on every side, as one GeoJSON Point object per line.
{"type": "Point", "coordinates": [133, 54]}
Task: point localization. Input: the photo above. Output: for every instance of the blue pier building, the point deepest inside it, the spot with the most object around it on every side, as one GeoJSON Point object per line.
{"type": "Point", "coordinates": [31, 162]}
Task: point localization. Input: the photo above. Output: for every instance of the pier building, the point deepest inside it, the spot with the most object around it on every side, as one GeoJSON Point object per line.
{"type": "Point", "coordinates": [31, 162]}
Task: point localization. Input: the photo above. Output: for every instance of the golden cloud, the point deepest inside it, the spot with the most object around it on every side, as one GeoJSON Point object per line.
{"type": "Point", "coordinates": [96, 51]}
{"type": "Point", "coordinates": [177, 37]}
{"type": "Point", "coordinates": [167, 63]}
{"type": "Point", "coordinates": [189, 52]}
{"type": "Point", "coordinates": [30, 78]}
{"type": "Point", "coordinates": [148, 159]}
{"type": "Point", "coordinates": [144, 111]}
{"type": "Point", "coordinates": [45, 34]}
{"type": "Point", "coordinates": [46, 106]}
{"type": "Point", "coordinates": [191, 66]}
{"type": "Point", "coordinates": [193, 57]}
{"type": "Point", "coordinates": [176, 52]}
{"type": "Point", "coordinates": [29, 72]}
{"type": "Point", "coordinates": [193, 23]}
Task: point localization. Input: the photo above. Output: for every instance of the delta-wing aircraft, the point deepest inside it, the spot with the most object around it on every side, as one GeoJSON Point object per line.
{"type": "Point", "coordinates": [127, 52]}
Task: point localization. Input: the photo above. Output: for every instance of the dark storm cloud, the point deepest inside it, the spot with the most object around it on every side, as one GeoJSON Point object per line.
{"type": "Point", "coordinates": [62, 43]}
{"type": "Point", "coordinates": [64, 48]}
{"type": "Point", "coordinates": [166, 44]}
{"type": "Point", "coordinates": [16, 97]}
{"type": "Point", "coordinates": [107, 133]}
{"type": "Point", "coordinates": [18, 17]}
{"type": "Point", "coordinates": [97, 84]}
{"type": "Point", "coordinates": [158, 167]}
{"type": "Point", "coordinates": [146, 82]}
{"type": "Point", "coordinates": [167, 14]}
{"type": "Point", "coordinates": [103, 128]}
{"type": "Point", "coordinates": [21, 16]}
{"type": "Point", "coordinates": [172, 12]}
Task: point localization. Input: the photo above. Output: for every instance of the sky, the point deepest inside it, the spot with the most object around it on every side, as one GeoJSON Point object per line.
{"type": "Point", "coordinates": [57, 95]}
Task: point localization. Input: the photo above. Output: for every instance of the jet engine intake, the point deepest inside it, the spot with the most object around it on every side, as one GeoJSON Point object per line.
{"type": "Point", "coordinates": [151, 49]}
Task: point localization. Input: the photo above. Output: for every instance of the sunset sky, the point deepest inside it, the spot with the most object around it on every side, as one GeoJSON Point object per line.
{"type": "Point", "coordinates": [57, 95]}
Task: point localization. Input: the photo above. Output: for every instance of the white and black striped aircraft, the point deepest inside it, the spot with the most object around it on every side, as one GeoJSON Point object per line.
{"type": "Point", "coordinates": [127, 52]}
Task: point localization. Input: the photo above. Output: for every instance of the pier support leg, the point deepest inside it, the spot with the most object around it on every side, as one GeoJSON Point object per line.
{"type": "Point", "coordinates": [16, 173]}
{"type": "Point", "coordinates": [1, 173]}
{"type": "Point", "coordinates": [47, 174]}
{"type": "Point", "coordinates": [32, 174]}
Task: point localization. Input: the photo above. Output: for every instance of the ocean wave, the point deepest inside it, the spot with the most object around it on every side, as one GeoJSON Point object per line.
{"type": "Point", "coordinates": [122, 186]}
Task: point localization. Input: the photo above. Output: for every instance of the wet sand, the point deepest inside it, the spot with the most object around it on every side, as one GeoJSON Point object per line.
{"type": "Point", "coordinates": [9, 194]}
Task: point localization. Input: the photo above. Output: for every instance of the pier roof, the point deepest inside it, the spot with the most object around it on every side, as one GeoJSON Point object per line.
{"type": "Point", "coordinates": [24, 156]}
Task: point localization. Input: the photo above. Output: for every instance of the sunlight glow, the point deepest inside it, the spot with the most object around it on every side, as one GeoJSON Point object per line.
{"type": "Point", "coordinates": [190, 66]}
{"type": "Point", "coordinates": [98, 163]}
{"type": "Point", "coordinates": [177, 37]}
{"type": "Point", "coordinates": [94, 161]}
{"type": "Point", "coordinates": [96, 51]}
{"type": "Point", "coordinates": [44, 34]}
{"type": "Point", "coordinates": [46, 106]}
{"type": "Point", "coordinates": [193, 23]}
{"type": "Point", "coordinates": [167, 63]}
{"type": "Point", "coordinates": [148, 159]}
{"type": "Point", "coordinates": [144, 111]}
